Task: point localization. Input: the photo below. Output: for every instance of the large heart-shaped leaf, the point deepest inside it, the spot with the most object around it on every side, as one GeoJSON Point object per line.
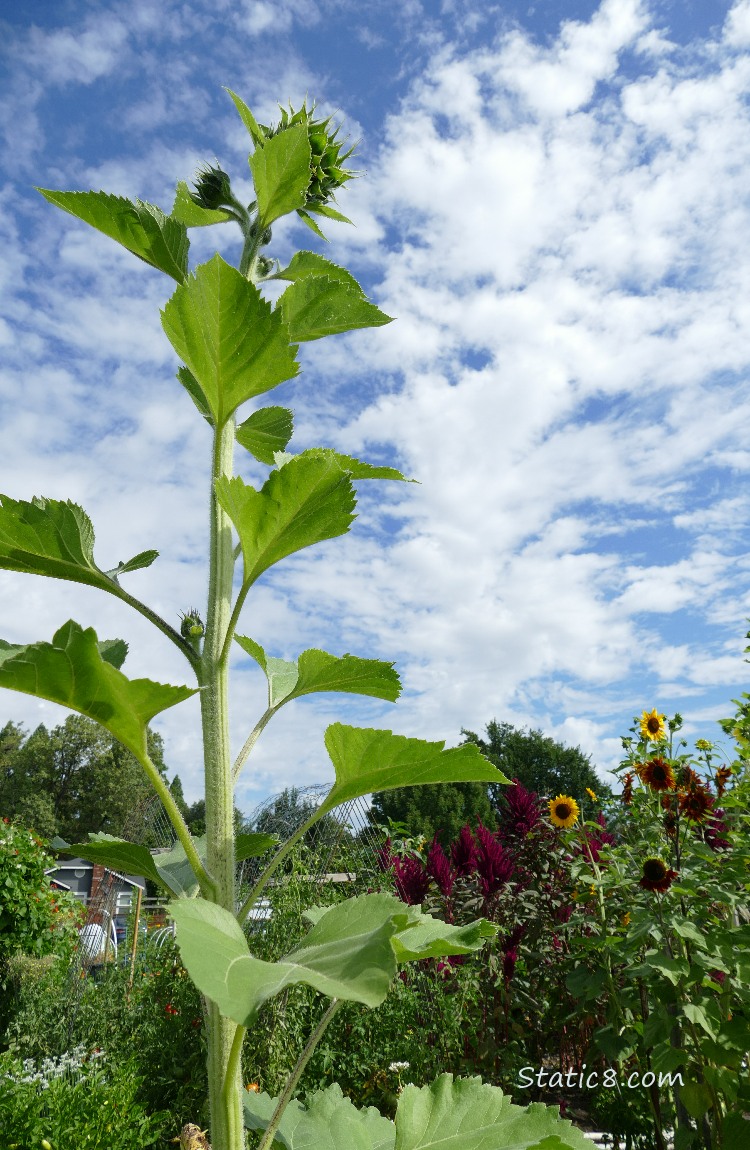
{"type": "Point", "coordinates": [55, 538]}
{"type": "Point", "coordinates": [265, 432]}
{"type": "Point", "coordinates": [281, 173]}
{"type": "Point", "coordinates": [319, 305]}
{"type": "Point", "coordinates": [317, 671]}
{"type": "Point", "coordinates": [467, 1114]}
{"type": "Point", "coordinates": [140, 227]}
{"type": "Point", "coordinates": [352, 951]}
{"type": "Point", "coordinates": [347, 954]}
{"type": "Point", "coordinates": [421, 936]}
{"type": "Point", "coordinates": [72, 671]}
{"type": "Point", "coordinates": [169, 869]}
{"type": "Point", "coordinates": [231, 341]}
{"type": "Point", "coordinates": [328, 1121]}
{"type": "Point", "coordinates": [305, 502]}
{"type": "Point", "coordinates": [368, 760]}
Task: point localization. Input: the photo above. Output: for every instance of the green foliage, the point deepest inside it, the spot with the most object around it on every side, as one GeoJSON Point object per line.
{"type": "Point", "coordinates": [74, 671]}
{"type": "Point", "coordinates": [97, 1109]}
{"type": "Point", "coordinates": [73, 780]}
{"type": "Point", "coordinates": [34, 919]}
{"type": "Point", "coordinates": [143, 229]}
{"type": "Point", "coordinates": [465, 1114]}
{"type": "Point", "coordinates": [316, 671]}
{"type": "Point", "coordinates": [49, 537]}
{"type": "Point", "coordinates": [233, 344]}
{"type": "Point", "coordinates": [538, 762]}
{"type": "Point", "coordinates": [367, 761]}
{"type": "Point", "coordinates": [265, 432]}
{"type": "Point", "coordinates": [428, 811]}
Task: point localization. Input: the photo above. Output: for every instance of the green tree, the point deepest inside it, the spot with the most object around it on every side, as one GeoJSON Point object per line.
{"type": "Point", "coordinates": [430, 811]}
{"type": "Point", "coordinates": [537, 761]}
{"type": "Point", "coordinates": [72, 780]}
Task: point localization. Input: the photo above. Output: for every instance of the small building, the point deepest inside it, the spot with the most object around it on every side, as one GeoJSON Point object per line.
{"type": "Point", "coordinates": [83, 879]}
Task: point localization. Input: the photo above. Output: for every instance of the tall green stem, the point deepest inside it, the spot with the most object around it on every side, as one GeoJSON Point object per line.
{"type": "Point", "coordinates": [225, 1083]}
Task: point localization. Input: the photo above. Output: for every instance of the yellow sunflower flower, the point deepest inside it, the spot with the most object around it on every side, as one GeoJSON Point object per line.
{"type": "Point", "coordinates": [591, 795]}
{"type": "Point", "coordinates": [653, 726]}
{"type": "Point", "coordinates": [564, 811]}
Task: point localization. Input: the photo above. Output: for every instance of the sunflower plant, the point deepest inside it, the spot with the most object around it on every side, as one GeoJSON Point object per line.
{"type": "Point", "coordinates": [660, 952]}
{"type": "Point", "coordinates": [234, 345]}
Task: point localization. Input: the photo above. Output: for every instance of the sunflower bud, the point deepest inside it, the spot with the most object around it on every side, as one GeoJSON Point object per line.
{"type": "Point", "coordinates": [191, 627]}
{"type": "Point", "coordinates": [212, 188]}
{"type": "Point", "coordinates": [327, 171]}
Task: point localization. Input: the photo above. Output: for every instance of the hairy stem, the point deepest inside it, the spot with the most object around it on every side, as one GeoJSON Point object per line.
{"type": "Point", "coordinates": [225, 1086]}
{"type": "Point", "coordinates": [267, 1140]}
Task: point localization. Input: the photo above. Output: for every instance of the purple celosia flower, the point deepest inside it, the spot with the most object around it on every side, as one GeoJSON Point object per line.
{"type": "Point", "coordinates": [510, 958]}
{"type": "Point", "coordinates": [464, 853]}
{"type": "Point", "coordinates": [494, 865]}
{"type": "Point", "coordinates": [520, 813]}
{"type": "Point", "coordinates": [412, 880]}
{"type": "Point", "coordinates": [439, 868]}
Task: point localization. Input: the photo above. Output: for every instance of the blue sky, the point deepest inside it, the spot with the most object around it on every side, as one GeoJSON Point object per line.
{"type": "Point", "coordinates": [555, 210]}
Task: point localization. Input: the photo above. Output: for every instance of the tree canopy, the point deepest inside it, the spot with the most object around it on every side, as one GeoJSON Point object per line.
{"type": "Point", "coordinates": [539, 762]}
{"type": "Point", "coordinates": [73, 779]}
{"type": "Point", "coordinates": [435, 809]}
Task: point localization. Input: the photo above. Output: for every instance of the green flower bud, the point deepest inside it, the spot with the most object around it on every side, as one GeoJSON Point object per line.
{"type": "Point", "coordinates": [327, 171]}
{"type": "Point", "coordinates": [192, 627]}
{"type": "Point", "coordinates": [212, 188]}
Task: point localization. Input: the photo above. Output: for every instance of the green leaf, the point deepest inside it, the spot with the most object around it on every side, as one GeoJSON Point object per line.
{"type": "Point", "coordinates": [305, 502]}
{"type": "Point", "coordinates": [266, 431]}
{"type": "Point", "coordinates": [49, 537]}
{"type": "Point", "coordinates": [698, 1016]}
{"type": "Point", "coordinates": [696, 1098]}
{"type": "Point", "coordinates": [689, 931]}
{"type": "Point", "coordinates": [307, 219]}
{"type": "Point", "coordinates": [317, 671]}
{"type": "Point", "coordinates": [227, 335]}
{"type": "Point", "coordinates": [367, 761]}
{"type": "Point", "coordinates": [432, 938]}
{"type": "Point", "coordinates": [586, 984]}
{"type": "Point", "coordinates": [320, 305]}
{"type": "Point", "coordinates": [331, 213]}
{"type": "Point", "coordinates": [306, 264]}
{"type": "Point", "coordinates": [328, 1121]}
{"type": "Point", "coordinates": [195, 391]}
{"type": "Point", "coordinates": [115, 854]}
{"type": "Point", "coordinates": [673, 969]}
{"type": "Point", "coordinates": [355, 468]}
{"type": "Point", "coordinates": [248, 119]}
{"type": "Point", "coordinates": [71, 671]}
{"type": "Point", "coordinates": [113, 651]}
{"type": "Point", "coordinates": [281, 173]}
{"type": "Point", "coordinates": [347, 954]}
{"type": "Point", "coordinates": [169, 869]}
{"type": "Point", "coordinates": [192, 215]}
{"type": "Point", "coordinates": [140, 227]}
{"type": "Point", "coordinates": [467, 1114]}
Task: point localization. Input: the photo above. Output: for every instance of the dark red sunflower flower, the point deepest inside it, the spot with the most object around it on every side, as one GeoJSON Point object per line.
{"type": "Point", "coordinates": [695, 803]}
{"type": "Point", "coordinates": [721, 778]}
{"type": "Point", "coordinates": [669, 822]}
{"type": "Point", "coordinates": [657, 875]}
{"type": "Point", "coordinates": [627, 789]}
{"type": "Point", "coordinates": [657, 773]}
